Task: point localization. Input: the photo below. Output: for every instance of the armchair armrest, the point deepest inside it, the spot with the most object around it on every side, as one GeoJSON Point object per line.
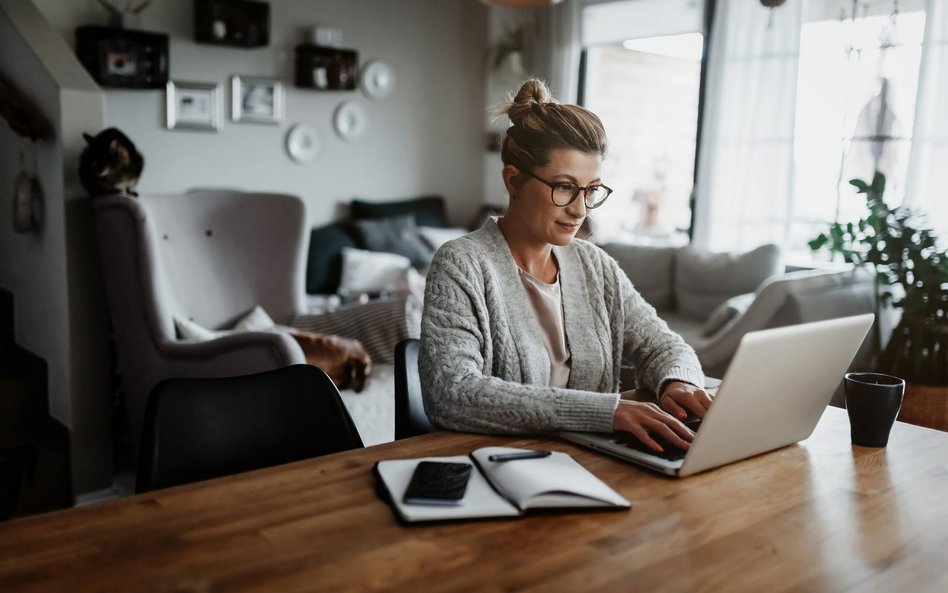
{"type": "Point", "coordinates": [795, 297]}
{"type": "Point", "coordinates": [274, 346]}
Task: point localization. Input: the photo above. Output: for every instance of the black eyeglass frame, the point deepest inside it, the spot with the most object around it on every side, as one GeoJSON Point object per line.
{"type": "Point", "coordinates": [576, 191]}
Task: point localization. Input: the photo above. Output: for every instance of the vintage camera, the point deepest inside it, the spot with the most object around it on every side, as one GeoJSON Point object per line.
{"type": "Point", "coordinates": [240, 23]}
{"type": "Point", "coordinates": [326, 68]}
{"type": "Point", "coordinates": [123, 58]}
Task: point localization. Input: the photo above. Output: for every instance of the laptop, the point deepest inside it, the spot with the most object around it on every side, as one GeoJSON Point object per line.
{"type": "Point", "coordinates": [773, 394]}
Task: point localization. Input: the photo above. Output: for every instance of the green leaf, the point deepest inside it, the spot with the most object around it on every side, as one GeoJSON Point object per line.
{"type": "Point", "coordinates": [860, 185]}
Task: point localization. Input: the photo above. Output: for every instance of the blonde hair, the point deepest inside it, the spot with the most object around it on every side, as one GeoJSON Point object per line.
{"type": "Point", "coordinates": [542, 124]}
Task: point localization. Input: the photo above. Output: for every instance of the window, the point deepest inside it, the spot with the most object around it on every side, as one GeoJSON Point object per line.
{"type": "Point", "coordinates": [642, 76]}
{"type": "Point", "coordinates": [855, 109]}
{"type": "Point", "coordinates": [646, 93]}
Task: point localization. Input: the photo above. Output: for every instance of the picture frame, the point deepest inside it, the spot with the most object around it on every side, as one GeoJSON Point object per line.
{"type": "Point", "coordinates": [256, 100]}
{"type": "Point", "coordinates": [193, 105]}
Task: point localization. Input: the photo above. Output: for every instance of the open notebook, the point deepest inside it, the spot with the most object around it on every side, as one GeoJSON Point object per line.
{"type": "Point", "coordinates": [503, 489]}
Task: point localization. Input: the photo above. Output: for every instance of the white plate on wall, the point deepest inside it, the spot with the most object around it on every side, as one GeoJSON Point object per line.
{"type": "Point", "coordinates": [350, 120]}
{"type": "Point", "coordinates": [378, 80]}
{"type": "Point", "coordinates": [302, 143]}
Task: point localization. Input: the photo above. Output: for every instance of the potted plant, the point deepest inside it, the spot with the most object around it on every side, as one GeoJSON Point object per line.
{"type": "Point", "coordinates": [509, 49]}
{"type": "Point", "coordinates": [911, 272]}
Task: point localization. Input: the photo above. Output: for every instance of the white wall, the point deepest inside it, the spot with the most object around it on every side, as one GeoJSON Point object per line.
{"type": "Point", "coordinates": [58, 303]}
{"type": "Point", "coordinates": [425, 138]}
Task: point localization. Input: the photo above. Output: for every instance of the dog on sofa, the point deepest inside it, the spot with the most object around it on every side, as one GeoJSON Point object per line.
{"type": "Point", "coordinates": [344, 360]}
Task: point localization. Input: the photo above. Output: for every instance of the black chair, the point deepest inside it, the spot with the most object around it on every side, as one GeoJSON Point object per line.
{"type": "Point", "coordinates": [197, 429]}
{"type": "Point", "coordinates": [410, 418]}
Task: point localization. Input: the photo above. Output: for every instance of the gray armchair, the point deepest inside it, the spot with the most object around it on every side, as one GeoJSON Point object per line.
{"type": "Point", "coordinates": [208, 257]}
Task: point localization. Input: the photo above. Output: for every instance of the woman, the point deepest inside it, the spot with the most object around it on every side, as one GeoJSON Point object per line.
{"type": "Point", "coordinates": [524, 328]}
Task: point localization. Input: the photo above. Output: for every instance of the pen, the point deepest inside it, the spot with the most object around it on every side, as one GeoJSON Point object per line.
{"type": "Point", "coordinates": [521, 455]}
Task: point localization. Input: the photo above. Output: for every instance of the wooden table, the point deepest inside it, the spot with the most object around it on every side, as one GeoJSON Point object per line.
{"type": "Point", "coordinates": [819, 516]}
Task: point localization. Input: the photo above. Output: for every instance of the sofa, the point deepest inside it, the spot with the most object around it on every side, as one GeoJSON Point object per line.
{"type": "Point", "coordinates": [365, 273]}
{"type": "Point", "coordinates": [713, 299]}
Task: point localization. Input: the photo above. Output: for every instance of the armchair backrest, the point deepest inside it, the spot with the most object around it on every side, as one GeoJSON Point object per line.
{"type": "Point", "coordinates": [210, 256]}
{"type": "Point", "coordinates": [204, 256]}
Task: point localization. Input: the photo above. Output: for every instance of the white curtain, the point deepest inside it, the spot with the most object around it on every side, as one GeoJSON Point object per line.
{"type": "Point", "coordinates": [745, 165]}
{"type": "Point", "coordinates": [927, 181]}
{"type": "Point", "coordinates": [559, 30]}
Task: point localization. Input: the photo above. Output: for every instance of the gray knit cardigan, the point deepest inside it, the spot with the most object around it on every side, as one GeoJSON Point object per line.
{"type": "Point", "coordinates": [483, 364]}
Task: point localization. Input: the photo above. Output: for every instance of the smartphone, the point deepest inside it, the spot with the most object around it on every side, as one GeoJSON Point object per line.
{"type": "Point", "coordinates": [438, 483]}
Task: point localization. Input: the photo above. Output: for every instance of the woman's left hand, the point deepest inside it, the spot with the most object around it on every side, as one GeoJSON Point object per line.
{"type": "Point", "coordinates": [680, 398]}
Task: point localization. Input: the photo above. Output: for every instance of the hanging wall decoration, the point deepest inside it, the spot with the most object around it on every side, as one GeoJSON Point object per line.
{"type": "Point", "coordinates": [193, 105]}
{"type": "Point", "coordinates": [350, 120]}
{"type": "Point", "coordinates": [256, 100]}
{"type": "Point", "coordinates": [378, 80]}
{"type": "Point", "coordinates": [302, 143]}
{"type": "Point", "coordinates": [28, 205]}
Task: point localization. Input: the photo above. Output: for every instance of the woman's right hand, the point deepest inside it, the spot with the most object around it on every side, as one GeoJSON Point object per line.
{"type": "Point", "coordinates": [643, 420]}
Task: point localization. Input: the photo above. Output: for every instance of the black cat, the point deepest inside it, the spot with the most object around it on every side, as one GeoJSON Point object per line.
{"type": "Point", "coordinates": [110, 163]}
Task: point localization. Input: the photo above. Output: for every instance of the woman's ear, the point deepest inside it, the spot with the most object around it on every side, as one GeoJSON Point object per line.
{"type": "Point", "coordinates": [510, 174]}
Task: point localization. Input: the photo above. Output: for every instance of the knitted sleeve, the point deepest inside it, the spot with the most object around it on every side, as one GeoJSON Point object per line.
{"type": "Point", "coordinates": [457, 352]}
{"type": "Point", "coordinates": [658, 354]}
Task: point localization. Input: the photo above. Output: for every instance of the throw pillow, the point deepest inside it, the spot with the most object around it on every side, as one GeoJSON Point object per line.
{"type": "Point", "coordinates": [189, 330]}
{"type": "Point", "coordinates": [727, 312]}
{"type": "Point", "coordinates": [426, 210]}
{"type": "Point", "coordinates": [436, 237]}
{"type": "Point", "coordinates": [256, 320]}
{"type": "Point", "coordinates": [324, 263]}
{"type": "Point", "coordinates": [649, 268]}
{"type": "Point", "coordinates": [705, 280]}
{"type": "Point", "coordinates": [399, 235]}
{"type": "Point", "coordinates": [372, 272]}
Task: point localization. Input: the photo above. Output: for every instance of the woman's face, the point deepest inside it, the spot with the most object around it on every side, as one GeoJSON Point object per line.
{"type": "Point", "coordinates": [537, 218]}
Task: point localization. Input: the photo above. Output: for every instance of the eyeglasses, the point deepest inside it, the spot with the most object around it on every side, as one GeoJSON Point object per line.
{"type": "Point", "coordinates": [564, 192]}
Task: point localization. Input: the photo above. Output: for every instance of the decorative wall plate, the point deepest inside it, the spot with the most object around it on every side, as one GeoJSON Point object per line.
{"type": "Point", "coordinates": [378, 80]}
{"type": "Point", "coordinates": [302, 143]}
{"type": "Point", "coordinates": [350, 120]}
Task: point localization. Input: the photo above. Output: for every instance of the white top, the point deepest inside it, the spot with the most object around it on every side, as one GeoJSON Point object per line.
{"type": "Point", "coordinates": [547, 304]}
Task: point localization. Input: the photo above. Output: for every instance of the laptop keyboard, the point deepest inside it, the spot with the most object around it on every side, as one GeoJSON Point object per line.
{"type": "Point", "coordinates": [671, 452]}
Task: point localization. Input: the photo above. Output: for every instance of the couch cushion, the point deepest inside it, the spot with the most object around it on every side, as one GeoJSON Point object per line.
{"type": "Point", "coordinates": [427, 210]}
{"type": "Point", "coordinates": [372, 272]}
{"type": "Point", "coordinates": [436, 237]}
{"type": "Point", "coordinates": [650, 269]}
{"type": "Point", "coordinates": [705, 280]}
{"type": "Point", "coordinates": [324, 266]}
{"type": "Point", "coordinates": [689, 329]}
{"type": "Point", "coordinates": [398, 234]}
{"type": "Point", "coordinates": [727, 312]}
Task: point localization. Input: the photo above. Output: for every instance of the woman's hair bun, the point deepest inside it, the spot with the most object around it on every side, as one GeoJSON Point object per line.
{"type": "Point", "coordinates": [541, 124]}
{"type": "Point", "coordinates": [532, 92]}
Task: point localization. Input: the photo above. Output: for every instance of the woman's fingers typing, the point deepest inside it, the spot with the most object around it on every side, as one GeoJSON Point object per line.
{"type": "Point", "coordinates": [647, 422]}
{"type": "Point", "coordinates": [679, 399]}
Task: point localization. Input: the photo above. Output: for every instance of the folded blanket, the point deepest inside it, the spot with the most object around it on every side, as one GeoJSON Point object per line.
{"type": "Point", "coordinates": [379, 325]}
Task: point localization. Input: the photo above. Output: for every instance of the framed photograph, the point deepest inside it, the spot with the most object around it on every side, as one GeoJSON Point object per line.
{"type": "Point", "coordinates": [257, 100]}
{"type": "Point", "coordinates": [193, 105]}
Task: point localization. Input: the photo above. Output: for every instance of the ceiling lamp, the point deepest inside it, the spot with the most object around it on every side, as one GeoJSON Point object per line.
{"type": "Point", "coordinates": [521, 3]}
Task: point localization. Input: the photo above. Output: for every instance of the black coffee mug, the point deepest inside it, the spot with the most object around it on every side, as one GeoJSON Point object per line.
{"type": "Point", "coordinates": [873, 401]}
